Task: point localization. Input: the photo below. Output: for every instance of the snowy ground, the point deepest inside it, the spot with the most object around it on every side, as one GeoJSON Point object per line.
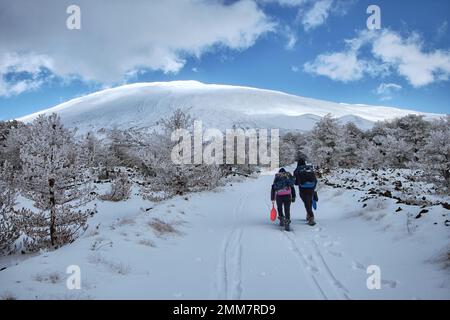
{"type": "Point", "coordinates": [222, 245]}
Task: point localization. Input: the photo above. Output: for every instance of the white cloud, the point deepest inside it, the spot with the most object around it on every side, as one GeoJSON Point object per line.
{"type": "Point", "coordinates": [317, 15]}
{"type": "Point", "coordinates": [389, 53]}
{"type": "Point", "coordinates": [117, 38]}
{"type": "Point", "coordinates": [410, 60]}
{"type": "Point", "coordinates": [285, 3]}
{"type": "Point", "coordinates": [314, 13]}
{"type": "Point", "coordinates": [21, 73]}
{"type": "Point", "coordinates": [340, 66]}
{"type": "Point", "coordinates": [291, 38]}
{"type": "Point", "coordinates": [10, 89]}
{"type": "Point", "coordinates": [295, 69]}
{"type": "Point", "coordinates": [386, 90]}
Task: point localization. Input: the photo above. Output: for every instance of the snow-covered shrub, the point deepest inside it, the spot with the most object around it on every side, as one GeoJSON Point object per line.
{"type": "Point", "coordinates": [120, 189]}
{"type": "Point", "coordinates": [162, 227]}
{"type": "Point", "coordinates": [54, 178]}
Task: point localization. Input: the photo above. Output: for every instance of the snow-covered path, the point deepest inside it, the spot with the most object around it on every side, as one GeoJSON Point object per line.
{"type": "Point", "coordinates": [225, 247]}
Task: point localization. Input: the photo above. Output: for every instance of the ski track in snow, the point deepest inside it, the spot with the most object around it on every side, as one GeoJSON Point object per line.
{"type": "Point", "coordinates": [230, 262]}
{"type": "Point", "coordinates": [305, 265]}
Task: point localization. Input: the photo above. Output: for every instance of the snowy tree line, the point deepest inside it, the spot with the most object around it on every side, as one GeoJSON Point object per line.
{"type": "Point", "coordinates": [48, 173]}
{"type": "Point", "coordinates": [48, 176]}
{"type": "Point", "coordinates": [408, 142]}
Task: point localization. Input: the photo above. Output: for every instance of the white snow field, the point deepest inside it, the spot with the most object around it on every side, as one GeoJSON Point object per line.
{"type": "Point", "coordinates": [222, 245]}
{"type": "Point", "coordinates": [140, 105]}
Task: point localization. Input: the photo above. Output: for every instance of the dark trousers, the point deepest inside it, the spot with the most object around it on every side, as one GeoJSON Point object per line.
{"type": "Point", "coordinates": [307, 197]}
{"type": "Point", "coordinates": [284, 202]}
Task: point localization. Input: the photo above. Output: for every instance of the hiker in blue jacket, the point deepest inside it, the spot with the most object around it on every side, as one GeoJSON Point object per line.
{"type": "Point", "coordinates": [306, 180]}
{"type": "Point", "coordinates": [283, 192]}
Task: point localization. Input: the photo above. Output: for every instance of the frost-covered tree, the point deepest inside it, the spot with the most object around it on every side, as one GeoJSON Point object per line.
{"type": "Point", "coordinates": [434, 156]}
{"type": "Point", "coordinates": [163, 174]}
{"type": "Point", "coordinates": [10, 138]}
{"type": "Point", "coordinates": [9, 216]}
{"type": "Point", "coordinates": [121, 145]}
{"type": "Point", "coordinates": [413, 130]}
{"type": "Point", "coordinates": [398, 141]}
{"type": "Point", "coordinates": [98, 156]}
{"type": "Point", "coordinates": [91, 149]}
{"type": "Point", "coordinates": [372, 156]}
{"type": "Point", "coordinates": [54, 179]}
{"type": "Point", "coordinates": [292, 147]}
{"type": "Point", "coordinates": [324, 140]}
{"type": "Point", "coordinates": [350, 144]}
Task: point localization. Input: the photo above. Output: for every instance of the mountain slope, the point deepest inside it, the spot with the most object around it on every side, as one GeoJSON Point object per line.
{"type": "Point", "coordinates": [140, 105]}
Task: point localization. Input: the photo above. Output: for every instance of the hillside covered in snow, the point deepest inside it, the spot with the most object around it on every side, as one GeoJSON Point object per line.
{"type": "Point", "coordinates": [140, 105]}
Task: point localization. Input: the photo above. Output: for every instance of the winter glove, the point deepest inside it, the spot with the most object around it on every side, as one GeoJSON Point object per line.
{"type": "Point", "coordinates": [293, 200]}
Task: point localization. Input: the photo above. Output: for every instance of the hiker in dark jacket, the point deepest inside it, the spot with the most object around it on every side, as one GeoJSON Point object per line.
{"type": "Point", "coordinates": [283, 192]}
{"type": "Point", "coordinates": [307, 182]}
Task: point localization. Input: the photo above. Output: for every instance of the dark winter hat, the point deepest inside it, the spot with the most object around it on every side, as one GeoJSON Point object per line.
{"type": "Point", "coordinates": [301, 162]}
{"type": "Point", "coordinates": [282, 170]}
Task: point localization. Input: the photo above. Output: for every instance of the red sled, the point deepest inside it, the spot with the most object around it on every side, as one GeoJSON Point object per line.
{"type": "Point", "coordinates": [273, 214]}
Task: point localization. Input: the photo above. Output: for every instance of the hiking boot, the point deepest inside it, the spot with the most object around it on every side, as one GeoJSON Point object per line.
{"type": "Point", "coordinates": [281, 221]}
{"type": "Point", "coordinates": [287, 224]}
{"type": "Point", "coordinates": [311, 221]}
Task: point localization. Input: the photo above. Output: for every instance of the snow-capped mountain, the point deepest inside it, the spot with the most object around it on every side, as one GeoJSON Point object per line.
{"type": "Point", "coordinates": [140, 105]}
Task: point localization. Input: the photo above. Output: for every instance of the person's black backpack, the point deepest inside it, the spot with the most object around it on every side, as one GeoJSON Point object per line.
{"type": "Point", "coordinates": [305, 177]}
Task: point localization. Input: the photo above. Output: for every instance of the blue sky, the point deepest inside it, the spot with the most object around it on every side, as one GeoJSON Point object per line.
{"type": "Point", "coordinates": [320, 49]}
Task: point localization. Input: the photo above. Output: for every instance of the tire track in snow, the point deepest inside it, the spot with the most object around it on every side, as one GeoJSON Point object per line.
{"type": "Point", "coordinates": [229, 273]}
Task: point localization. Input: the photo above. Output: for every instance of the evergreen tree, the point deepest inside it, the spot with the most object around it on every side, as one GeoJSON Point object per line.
{"type": "Point", "coordinates": [55, 180]}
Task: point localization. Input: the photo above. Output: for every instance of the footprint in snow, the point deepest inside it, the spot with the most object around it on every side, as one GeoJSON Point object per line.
{"type": "Point", "coordinates": [334, 253]}
{"type": "Point", "coordinates": [330, 244]}
{"type": "Point", "coordinates": [358, 265]}
{"type": "Point", "coordinates": [312, 269]}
